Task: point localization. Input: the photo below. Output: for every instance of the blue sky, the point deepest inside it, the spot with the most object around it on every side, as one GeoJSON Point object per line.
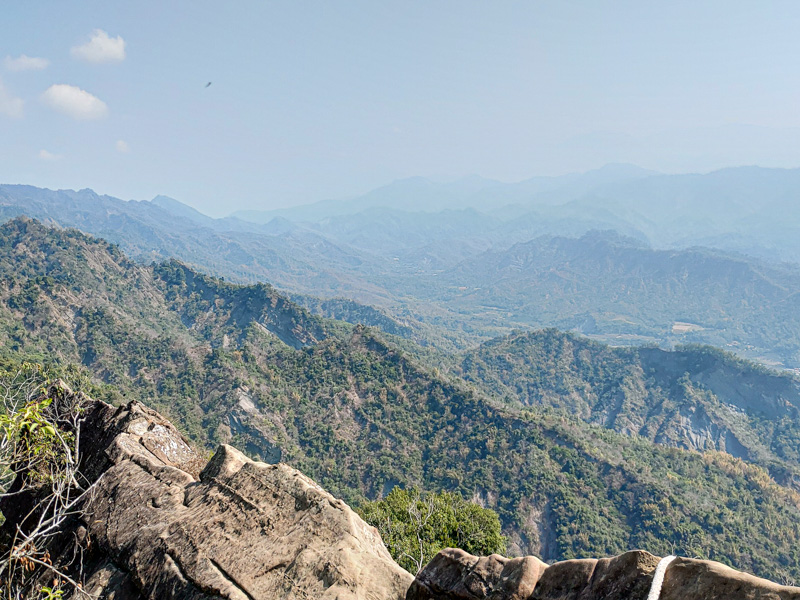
{"type": "Point", "coordinates": [313, 100]}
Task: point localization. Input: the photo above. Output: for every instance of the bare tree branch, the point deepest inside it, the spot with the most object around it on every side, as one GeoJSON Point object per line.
{"type": "Point", "coordinates": [40, 437]}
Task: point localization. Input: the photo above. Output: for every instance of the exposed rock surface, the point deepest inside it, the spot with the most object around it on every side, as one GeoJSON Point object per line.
{"type": "Point", "coordinates": [162, 523]}
{"type": "Point", "coordinates": [156, 528]}
{"type": "Point", "coordinates": [455, 575]}
{"type": "Point", "coordinates": [458, 575]}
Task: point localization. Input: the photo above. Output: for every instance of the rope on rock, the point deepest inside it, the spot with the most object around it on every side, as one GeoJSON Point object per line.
{"type": "Point", "coordinates": [658, 578]}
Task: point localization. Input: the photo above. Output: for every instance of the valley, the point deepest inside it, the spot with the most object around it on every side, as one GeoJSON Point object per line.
{"type": "Point", "coordinates": [455, 278]}
{"type": "Point", "coordinates": [600, 449]}
{"type": "Point", "coordinates": [399, 301]}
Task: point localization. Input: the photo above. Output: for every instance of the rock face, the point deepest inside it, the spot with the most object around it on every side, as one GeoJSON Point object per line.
{"type": "Point", "coordinates": [455, 575]}
{"type": "Point", "coordinates": [458, 575]}
{"type": "Point", "coordinates": [162, 523]}
{"type": "Point", "coordinates": [156, 528]}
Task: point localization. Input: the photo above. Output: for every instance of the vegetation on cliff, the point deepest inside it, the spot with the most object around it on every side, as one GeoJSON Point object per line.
{"type": "Point", "coordinates": [415, 526]}
{"type": "Point", "coordinates": [361, 415]}
{"type": "Point", "coordinates": [695, 397]}
{"type": "Point", "coordinates": [40, 445]}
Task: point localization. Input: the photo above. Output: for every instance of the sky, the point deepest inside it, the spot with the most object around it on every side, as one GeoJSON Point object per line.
{"type": "Point", "coordinates": [315, 100]}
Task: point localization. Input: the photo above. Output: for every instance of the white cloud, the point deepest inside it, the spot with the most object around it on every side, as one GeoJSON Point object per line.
{"type": "Point", "coordinates": [45, 155]}
{"type": "Point", "coordinates": [122, 146]}
{"type": "Point", "coordinates": [100, 49]}
{"type": "Point", "coordinates": [25, 63]}
{"type": "Point", "coordinates": [74, 102]}
{"type": "Point", "coordinates": [10, 105]}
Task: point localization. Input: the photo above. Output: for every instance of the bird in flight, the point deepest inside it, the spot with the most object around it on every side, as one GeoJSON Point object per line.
{"type": "Point", "coordinates": [208, 84]}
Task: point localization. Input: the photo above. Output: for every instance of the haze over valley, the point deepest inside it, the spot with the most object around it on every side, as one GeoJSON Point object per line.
{"type": "Point", "coordinates": [356, 300]}
{"type": "Point", "coordinates": [620, 254]}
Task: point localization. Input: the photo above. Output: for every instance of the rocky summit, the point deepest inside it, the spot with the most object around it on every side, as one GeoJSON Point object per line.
{"type": "Point", "coordinates": [455, 575]}
{"type": "Point", "coordinates": [162, 523]}
{"type": "Point", "coordinates": [157, 528]}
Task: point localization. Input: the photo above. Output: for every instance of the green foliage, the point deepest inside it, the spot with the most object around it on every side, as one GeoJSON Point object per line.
{"type": "Point", "coordinates": [30, 427]}
{"type": "Point", "coordinates": [29, 440]}
{"type": "Point", "coordinates": [361, 415]}
{"type": "Point", "coordinates": [650, 392]}
{"type": "Point", "coordinates": [416, 526]}
{"type": "Point", "coordinates": [39, 453]}
{"type": "Point", "coordinates": [49, 593]}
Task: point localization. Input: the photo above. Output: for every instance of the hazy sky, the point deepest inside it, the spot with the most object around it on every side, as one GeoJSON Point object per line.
{"type": "Point", "coordinates": [311, 100]}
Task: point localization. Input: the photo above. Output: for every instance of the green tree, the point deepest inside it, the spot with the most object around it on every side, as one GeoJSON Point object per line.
{"type": "Point", "coordinates": [416, 526]}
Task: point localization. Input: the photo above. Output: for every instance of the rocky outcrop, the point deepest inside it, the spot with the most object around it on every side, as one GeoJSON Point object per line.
{"type": "Point", "coordinates": [162, 523]}
{"type": "Point", "coordinates": [455, 575]}
{"type": "Point", "coordinates": [158, 527]}
{"type": "Point", "coordinates": [458, 575]}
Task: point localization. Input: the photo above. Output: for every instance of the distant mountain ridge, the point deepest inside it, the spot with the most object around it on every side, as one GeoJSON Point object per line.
{"type": "Point", "coordinates": [747, 209]}
{"type": "Point", "coordinates": [454, 278]}
{"type": "Point", "coordinates": [165, 228]}
{"type": "Point", "coordinates": [603, 283]}
{"type": "Point", "coordinates": [419, 194]}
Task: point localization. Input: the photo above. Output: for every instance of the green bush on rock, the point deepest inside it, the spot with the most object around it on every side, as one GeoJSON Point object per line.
{"type": "Point", "coordinates": [416, 526]}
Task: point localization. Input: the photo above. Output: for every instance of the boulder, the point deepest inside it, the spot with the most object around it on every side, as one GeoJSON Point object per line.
{"type": "Point", "coordinates": [157, 526]}
{"type": "Point", "coordinates": [455, 575]}
{"type": "Point", "coordinates": [709, 580]}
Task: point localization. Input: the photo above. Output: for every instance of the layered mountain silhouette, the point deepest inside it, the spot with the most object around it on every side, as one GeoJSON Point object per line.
{"type": "Point", "coordinates": [455, 278]}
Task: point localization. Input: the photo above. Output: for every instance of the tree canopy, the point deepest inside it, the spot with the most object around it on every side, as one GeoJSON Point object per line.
{"type": "Point", "coordinates": [416, 526]}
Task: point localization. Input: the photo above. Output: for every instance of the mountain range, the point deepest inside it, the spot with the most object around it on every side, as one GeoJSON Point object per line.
{"type": "Point", "coordinates": [743, 209]}
{"type": "Point", "coordinates": [457, 277]}
{"type": "Point", "coordinates": [602, 449]}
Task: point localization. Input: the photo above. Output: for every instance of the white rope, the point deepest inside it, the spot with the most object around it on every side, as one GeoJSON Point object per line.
{"type": "Point", "coordinates": [658, 578]}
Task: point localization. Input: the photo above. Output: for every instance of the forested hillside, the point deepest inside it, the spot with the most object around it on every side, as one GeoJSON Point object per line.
{"type": "Point", "coordinates": [615, 287]}
{"type": "Point", "coordinates": [360, 415]}
{"type": "Point", "coordinates": [695, 397]}
{"type": "Point", "coordinates": [442, 281]}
